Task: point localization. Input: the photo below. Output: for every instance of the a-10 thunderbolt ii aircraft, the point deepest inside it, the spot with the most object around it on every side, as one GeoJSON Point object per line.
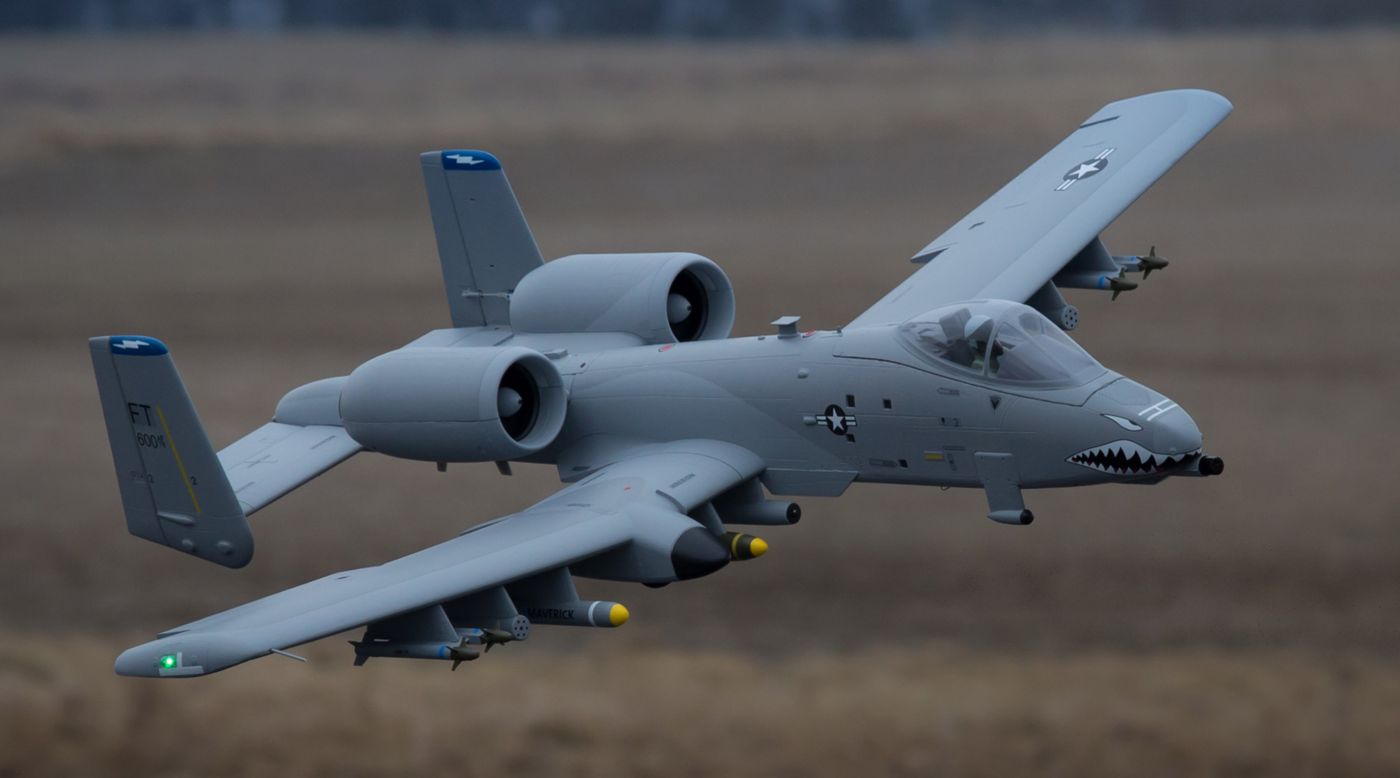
{"type": "Point", "coordinates": [618, 369]}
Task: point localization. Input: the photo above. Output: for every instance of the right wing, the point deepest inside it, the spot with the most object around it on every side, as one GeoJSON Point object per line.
{"type": "Point", "coordinates": [1011, 246]}
{"type": "Point", "coordinates": [626, 520]}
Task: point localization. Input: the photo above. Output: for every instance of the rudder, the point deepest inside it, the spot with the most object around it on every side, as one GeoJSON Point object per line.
{"type": "Point", "coordinates": [173, 489]}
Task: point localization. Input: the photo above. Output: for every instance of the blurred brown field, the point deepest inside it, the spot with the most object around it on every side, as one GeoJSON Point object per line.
{"type": "Point", "coordinates": [257, 204]}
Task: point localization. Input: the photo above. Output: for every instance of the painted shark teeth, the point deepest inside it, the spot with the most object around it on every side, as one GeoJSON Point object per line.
{"type": "Point", "coordinates": [1124, 457]}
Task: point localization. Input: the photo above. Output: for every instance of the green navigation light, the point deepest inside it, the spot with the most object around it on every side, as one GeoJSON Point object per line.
{"type": "Point", "coordinates": [168, 662]}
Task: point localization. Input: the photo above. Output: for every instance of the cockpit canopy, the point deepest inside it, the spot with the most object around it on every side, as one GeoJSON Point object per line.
{"type": "Point", "coordinates": [1000, 341]}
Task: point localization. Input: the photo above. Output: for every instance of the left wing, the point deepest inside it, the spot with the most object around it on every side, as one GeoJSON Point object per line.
{"type": "Point", "coordinates": [1012, 245]}
{"type": "Point", "coordinates": [626, 520]}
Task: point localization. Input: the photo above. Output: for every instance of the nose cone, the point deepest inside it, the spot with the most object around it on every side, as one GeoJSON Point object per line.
{"type": "Point", "coordinates": [1145, 432]}
{"type": "Point", "coordinates": [1151, 418]}
{"type": "Point", "coordinates": [1175, 432]}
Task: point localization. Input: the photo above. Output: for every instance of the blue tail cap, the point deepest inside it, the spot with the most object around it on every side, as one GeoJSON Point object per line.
{"type": "Point", "coordinates": [136, 346]}
{"type": "Point", "coordinates": [468, 159]}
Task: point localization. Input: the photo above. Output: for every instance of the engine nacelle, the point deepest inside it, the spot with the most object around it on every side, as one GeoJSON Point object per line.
{"type": "Point", "coordinates": [660, 298]}
{"type": "Point", "coordinates": [455, 404]}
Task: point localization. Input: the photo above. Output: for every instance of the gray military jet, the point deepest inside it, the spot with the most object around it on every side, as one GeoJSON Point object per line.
{"type": "Point", "coordinates": [618, 369]}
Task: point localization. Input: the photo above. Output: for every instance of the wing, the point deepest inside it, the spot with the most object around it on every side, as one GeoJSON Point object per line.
{"type": "Point", "coordinates": [1010, 246]}
{"type": "Point", "coordinates": [625, 520]}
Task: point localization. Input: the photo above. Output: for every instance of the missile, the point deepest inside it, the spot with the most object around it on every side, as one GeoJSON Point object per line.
{"type": "Point", "coordinates": [742, 546]}
{"type": "Point", "coordinates": [471, 643]}
{"type": "Point", "coordinates": [462, 651]}
{"type": "Point", "coordinates": [1151, 262]}
{"type": "Point", "coordinates": [580, 613]}
{"type": "Point", "coordinates": [1120, 285]}
{"type": "Point", "coordinates": [1142, 264]}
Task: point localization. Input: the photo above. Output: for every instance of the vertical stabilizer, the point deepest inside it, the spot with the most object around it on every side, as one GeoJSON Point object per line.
{"type": "Point", "coordinates": [174, 491]}
{"type": "Point", "coordinates": [483, 241]}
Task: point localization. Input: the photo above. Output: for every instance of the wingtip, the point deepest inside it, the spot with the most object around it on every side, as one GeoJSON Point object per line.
{"type": "Point", "coordinates": [1200, 98]}
{"type": "Point", "coordinates": [137, 662]}
{"type": "Point", "coordinates": [1209, 97]}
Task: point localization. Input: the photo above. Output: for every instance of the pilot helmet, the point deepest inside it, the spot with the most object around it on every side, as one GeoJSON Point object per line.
{"type": "Point", "coordinates": [978, 328]}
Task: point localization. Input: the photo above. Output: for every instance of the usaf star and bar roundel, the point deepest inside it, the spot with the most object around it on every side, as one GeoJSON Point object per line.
{"type": "Point", "coordinates": [1085, 169]}
{"type": "Point", "coordinates": [836, 419]}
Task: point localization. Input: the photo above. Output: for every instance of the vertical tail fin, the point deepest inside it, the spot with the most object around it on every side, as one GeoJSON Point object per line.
{"type": "Point", "coordinates": [483, 241]}
{"type": "Point", "coordinates": [173, 489]}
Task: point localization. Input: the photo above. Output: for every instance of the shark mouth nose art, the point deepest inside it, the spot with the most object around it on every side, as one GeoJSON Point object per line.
{"type": "Point", "coordinates": [1124, 457]}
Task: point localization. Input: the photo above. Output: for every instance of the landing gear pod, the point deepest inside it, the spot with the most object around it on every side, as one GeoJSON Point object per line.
{"type": "Point", "coordinates": [779, 513]}
{"type": "Point", "coordinates": [745, 504]}
{"type": "Point", "coordinates": [666, 546]}
{"type": "Point", "coordinates": [1016, 518]}
{"type": "Point", "coordinates": [455, 404]}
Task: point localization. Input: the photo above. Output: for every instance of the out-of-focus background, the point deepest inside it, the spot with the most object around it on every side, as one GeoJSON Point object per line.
{"type": "Point", "coordinates": [239, 178]}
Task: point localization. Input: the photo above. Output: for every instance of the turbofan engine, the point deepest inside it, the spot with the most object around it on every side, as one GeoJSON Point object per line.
{"type": "Point", "coordinates": [454, 404]}
{"type": "Point", "coordinates": [659, 298]}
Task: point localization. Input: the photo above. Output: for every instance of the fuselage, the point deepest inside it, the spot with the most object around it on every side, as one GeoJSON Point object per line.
{"type": "Point", "coordinates": [827, 408]}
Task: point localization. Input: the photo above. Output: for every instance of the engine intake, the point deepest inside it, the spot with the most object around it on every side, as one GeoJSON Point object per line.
{"type": "Point", "coordinates": [455, 404]}
{"type": "Point", "coordinates": [659, 298]}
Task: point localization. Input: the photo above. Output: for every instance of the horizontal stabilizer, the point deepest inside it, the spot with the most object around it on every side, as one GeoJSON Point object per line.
{"type": "Point", "coordinates": [276, 458]}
